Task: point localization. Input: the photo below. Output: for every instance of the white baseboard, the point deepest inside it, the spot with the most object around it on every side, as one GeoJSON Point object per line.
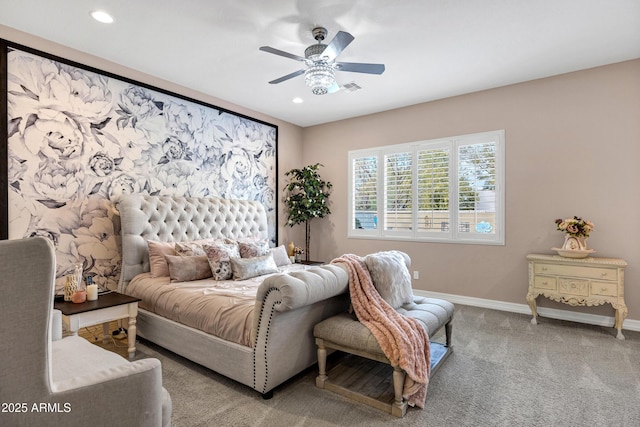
{"type": "Point", "coordinates": [553, 313]}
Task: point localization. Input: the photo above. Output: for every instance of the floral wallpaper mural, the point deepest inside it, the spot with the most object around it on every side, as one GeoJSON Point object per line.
{"type": "Point", "coordinates": [78, 140]}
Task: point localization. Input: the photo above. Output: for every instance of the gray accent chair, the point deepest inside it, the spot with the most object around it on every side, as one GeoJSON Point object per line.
{"type": "Point", "coordinates": [47, 380]}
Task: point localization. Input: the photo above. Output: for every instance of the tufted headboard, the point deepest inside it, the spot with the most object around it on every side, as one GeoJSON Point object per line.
{"type": "Point", "coordinates": [178, 219]}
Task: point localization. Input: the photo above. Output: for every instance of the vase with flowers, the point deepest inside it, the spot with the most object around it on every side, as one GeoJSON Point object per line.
{"type": "Point", "coordinates": [576, 230]}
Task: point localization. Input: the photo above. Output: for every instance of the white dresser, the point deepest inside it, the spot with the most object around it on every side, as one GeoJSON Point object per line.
{"type": "Point", "coordinates": [584, 282]}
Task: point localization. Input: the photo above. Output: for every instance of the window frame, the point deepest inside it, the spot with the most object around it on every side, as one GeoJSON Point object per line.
{"type": "Point", "coordinates": [454, 234]}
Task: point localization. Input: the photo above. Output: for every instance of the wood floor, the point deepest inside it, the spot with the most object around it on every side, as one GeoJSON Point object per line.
{"type": "Point", "coordinates": [118, 343]}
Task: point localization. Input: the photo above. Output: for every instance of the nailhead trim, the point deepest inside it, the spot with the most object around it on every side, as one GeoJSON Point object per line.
{"type": "Point", "coordinates": [268, 326]}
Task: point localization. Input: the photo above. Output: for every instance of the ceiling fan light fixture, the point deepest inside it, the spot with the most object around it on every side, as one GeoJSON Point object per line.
{"type": "Point", "coordinates": [320, 77]}
{"type": "Point", "coordinates": [320, 62]}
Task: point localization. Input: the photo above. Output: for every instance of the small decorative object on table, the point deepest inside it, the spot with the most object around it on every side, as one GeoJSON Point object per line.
{"type": "Point", "coordinates": [298, 251]}
{"type": "Point", "coordinates": [92, 289]}
{"type": "Point", "coordinates": [576, 232]}
{"type": "Point", "coordinates": [79, 296]}
{"type": "Point", "coordinates": [72, 283]}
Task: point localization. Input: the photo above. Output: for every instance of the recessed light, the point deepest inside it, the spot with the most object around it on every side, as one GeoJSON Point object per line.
{"type": "Point", "coordinates": [297, 100]}
{"type": "Point", "coordinates": [102, 16]}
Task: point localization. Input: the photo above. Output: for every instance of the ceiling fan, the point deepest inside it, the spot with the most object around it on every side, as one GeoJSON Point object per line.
{"type": "Point", "coordinates": [321, 63]}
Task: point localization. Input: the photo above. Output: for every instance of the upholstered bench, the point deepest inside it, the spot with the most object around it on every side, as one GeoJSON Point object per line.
{"type": "Point", "coordinates": [345, 333]}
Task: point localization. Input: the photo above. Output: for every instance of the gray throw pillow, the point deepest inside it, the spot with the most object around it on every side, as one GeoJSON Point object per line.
{"type": "Point", "coordinates": [188, 268]}
{"type": "Point", "coordinates": [391, 276]}
{"type": "Point", "coordinates": [246, 268]}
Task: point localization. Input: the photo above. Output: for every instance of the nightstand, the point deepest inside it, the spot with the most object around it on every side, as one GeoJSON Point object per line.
{"type": "Point", "coordinates": [311, 262]}
{"type": "Point", "coordinates": [108, 307]}
{"type": "Point", "coordinates": [578, 282]}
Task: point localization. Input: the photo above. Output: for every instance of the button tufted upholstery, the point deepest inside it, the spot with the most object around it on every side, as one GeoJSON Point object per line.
{"type": "Point", "coordinates": [178, 219]}
{"type": "Point", "coordinates": [346, 331]}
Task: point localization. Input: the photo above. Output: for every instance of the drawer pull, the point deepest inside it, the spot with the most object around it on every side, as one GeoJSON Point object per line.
{"type": "Point", "coordinates": [544, 268]}
{"type": "Point", "coordinates": [603, 274]}
{"type": "Point", "coordinates": [603, 290]}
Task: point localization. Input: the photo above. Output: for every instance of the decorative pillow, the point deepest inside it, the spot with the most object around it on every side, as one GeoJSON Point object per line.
{"type": "Point", "coordinates": [245, 268]}
{"type": "Point", "coordinates": [188, 268]}
{"type": "Point", "coordinates": [253, 249]}
{"type": "Point", "coordinates": [280, 256]}
{"type": "Point", "coordinates": [157, 262]}
{"type": "Point", "coordinates": [391, 276]}
{"type": "Point", "coordinates": [189, 249]}
{"type": "Point", "coordinates": [219, 255]}
{"type": "Point", "coordinates": [249, 239]}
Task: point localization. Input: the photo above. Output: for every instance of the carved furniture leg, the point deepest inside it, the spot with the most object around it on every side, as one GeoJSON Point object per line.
{"type": "Point", "coordinates": [131, 337]}
{"type": "Point", "coordinates": [399, 407]}
{"type": "Point", "coordinates": [531, 300]}
{"type": "Point", "coordinates": [322, 364]}
{"type": "Point", "coordinates": [105, 333]}
{"type": "Point", "coordinates": [621, 314]}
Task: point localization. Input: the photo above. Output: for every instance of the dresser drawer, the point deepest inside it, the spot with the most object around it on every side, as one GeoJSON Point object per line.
{"type": "Point", "coordinates": [577, 271]}
{"type": "Point", "coordinates": [604, 288]}
{"type": "Point", "coordinates": [573, 286]}
{"type": "Point", "coordinates": [545, 282]}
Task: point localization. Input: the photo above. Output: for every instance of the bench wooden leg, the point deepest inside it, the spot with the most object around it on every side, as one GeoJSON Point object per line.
{"type": "Point", "coordinates": [399, 407]}
{"type": "Point", "coordinates": [322, 364]}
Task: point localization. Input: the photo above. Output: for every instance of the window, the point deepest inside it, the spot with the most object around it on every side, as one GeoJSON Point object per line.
{"type": "Point", "coordinates": [445, 190]}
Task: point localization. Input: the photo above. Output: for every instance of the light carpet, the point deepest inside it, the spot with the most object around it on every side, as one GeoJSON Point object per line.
{"type": "Point", "coordinates": [504, 371]}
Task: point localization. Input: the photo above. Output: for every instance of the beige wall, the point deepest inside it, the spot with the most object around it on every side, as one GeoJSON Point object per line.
{"type": "Point", "coordinates": [572, 148]}
{"type": "Point", "coordinates": [289, 136]}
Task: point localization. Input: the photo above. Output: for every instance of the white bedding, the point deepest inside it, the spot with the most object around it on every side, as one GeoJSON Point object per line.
{"type": "Point", "coordinates": [221, 308]}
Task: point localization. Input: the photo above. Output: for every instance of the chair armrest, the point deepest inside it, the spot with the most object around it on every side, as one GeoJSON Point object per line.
{"type": "Point", "coordinates": [127, 369]}
{"type": "Point", "coordinates": [127, 394]}
{"type": "Point", "coordinates": [56, 325]}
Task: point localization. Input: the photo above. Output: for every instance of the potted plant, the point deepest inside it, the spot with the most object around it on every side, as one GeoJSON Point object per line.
{"type": "Point", "coordinates": [307, 198]}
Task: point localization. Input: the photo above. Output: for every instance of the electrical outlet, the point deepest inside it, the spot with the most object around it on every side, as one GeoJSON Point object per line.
{"type": "Point", "coordinates": [416, 275]}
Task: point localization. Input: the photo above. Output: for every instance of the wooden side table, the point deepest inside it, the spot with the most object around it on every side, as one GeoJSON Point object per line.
{"type": "Point", "coordinates": [578, 282]}
{"type": "Point", "coordinates": [303, 262]}
{"type": "Point", "coordinates": [108, 307]}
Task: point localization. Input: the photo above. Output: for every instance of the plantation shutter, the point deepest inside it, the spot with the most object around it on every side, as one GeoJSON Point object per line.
{"type": "Point", "coordinates": [433, 190]}
{"type": "Point", "coordinates": [477, 188]}
{"type": "Point", "coordinates": [365, 197]}
{"type": "Point", "coordinates": [398, 192]}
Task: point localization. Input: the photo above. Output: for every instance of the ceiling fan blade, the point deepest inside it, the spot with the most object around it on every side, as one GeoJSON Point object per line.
{"type": "Point", "coordinates": [337, 45]}
{"type": "Point", "coordinates": [359, 67]}
{"type": "Point", "coordinates": [281, 53]}
{"type": "Point", "coordinates": [287, 77]}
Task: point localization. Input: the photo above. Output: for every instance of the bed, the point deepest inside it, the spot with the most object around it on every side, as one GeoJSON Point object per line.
{"type": "Point", "coordinates": [261, 330]}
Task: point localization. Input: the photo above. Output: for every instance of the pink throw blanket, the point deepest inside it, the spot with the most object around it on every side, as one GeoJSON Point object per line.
{"type": "Point", "coordinates": [402, 339]}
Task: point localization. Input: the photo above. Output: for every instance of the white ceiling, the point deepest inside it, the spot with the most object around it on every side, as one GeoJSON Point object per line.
{"type": "Point", "coordinates": [432, 49]}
